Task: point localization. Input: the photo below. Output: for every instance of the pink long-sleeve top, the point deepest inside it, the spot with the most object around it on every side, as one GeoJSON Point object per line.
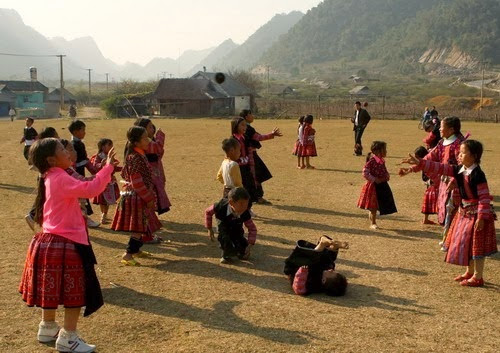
{"type": "Point", "coordinates": [61, 211]}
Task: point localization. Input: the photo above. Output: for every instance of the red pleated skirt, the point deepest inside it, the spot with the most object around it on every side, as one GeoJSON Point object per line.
{"type": "Point", "coordinates": [308, 150]}
{"type": "Point", "coordinates": [429, 202]}
{"type": "Point", "coordinates": [297, 149]}
{"type": "Point", "coordinates": [465, 243]}
{"type": "Point", "coordinates": [132, 215]}
{"type": "Point", "coordinates": [53, 273]}
{"type": "Point", "coordinates": [368, 197]}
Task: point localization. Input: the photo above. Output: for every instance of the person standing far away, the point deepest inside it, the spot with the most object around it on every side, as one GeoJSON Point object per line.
{"type": "Point", "coordinates": [12, 113]}
{"type": "Point", "coordinates": [360, 120]}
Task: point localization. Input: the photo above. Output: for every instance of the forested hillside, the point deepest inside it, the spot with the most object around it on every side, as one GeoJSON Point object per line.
{"type": "Point", "coordinates": [390, 32]}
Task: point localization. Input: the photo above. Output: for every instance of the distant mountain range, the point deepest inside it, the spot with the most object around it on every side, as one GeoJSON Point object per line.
{"type": "Point", "coordinates": [404, 35]}
{"type": "Point", "coordinates": [83, 53]}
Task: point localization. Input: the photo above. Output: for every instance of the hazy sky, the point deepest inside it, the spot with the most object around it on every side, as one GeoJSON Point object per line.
{"type": "Point", "coordinates": [139, 30]}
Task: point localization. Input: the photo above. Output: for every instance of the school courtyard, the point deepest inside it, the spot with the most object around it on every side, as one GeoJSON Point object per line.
{"type": "Point", "coordinates": [401, 295]}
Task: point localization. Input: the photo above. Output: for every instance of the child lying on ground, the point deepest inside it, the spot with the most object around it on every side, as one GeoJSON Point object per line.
{"type": "Point", "coordinates": [311, 267]}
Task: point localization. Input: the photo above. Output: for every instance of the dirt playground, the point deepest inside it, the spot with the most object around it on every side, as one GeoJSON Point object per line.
{"type": "Point", "coordinates": [401, 295]}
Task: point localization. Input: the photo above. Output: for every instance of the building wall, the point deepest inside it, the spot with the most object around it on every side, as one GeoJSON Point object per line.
{"type": "Point", "coordinates": [242, 102]}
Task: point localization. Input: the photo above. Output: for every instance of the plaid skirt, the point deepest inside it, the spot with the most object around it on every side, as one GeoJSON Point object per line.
{"type": "Point", "coordinates": [368, 197]}
{"type": "Point", "coordinates": [297, 149]}
{"type": "Point", "coordinates": [464, 243]}
{"type": "Point", "coordinates": [308, 150]}
{"type": "Point", "coordinates": [132, 215]}
{"type": "Point", "coordinates": [53, 273]}
{"type": "Point", "coordinates": [429, 202]}
{"type": "Point", "coordinates": [108, 196]}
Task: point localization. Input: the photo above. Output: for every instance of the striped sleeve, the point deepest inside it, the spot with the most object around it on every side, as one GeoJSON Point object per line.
{"type": "Point", "coordinates": [366, 173]}
{"type": "Point", "coordinates": [483, 208]}
{"type": "Point", "coordinates": [140, 188]}
{"type": "Point", "coordinates": [300, 280]}
{"type": "Point", "coordinates": [252, 231]}
{"type": "Point", "coordinates": [431, 167]}
{"type": "Point", "coordinates": [259, 137]}
{"type": "Point", "coordinates": [209, 212]}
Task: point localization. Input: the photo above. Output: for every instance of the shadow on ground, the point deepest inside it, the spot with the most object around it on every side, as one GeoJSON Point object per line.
{"type": "Point", "coordinates": [220, 317]}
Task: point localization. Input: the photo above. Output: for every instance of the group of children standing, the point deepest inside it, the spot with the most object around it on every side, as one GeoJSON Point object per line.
{"type": "Point", "coordinates": [59, 267]}
{"type": "Point", "coordinates": [61, 254]}
{"type": "Point", "coordinates": [457, 191]}
{"type": "Point", "coordinates": [305, 146]}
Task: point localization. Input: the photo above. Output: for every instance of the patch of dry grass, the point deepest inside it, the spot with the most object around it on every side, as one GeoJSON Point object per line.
{"type": "Point", "coordinates": [401, 297]}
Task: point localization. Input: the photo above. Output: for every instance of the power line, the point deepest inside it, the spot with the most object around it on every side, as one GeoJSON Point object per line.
{"type": "Point", "coordinates": [31, 55]}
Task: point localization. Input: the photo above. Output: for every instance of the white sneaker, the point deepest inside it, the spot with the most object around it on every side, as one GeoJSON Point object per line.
{"type": "Point", "coordinates": [91, 223]}
{"type": "Point", "coordinates": [70, 342]}
{"type": "Point", "coordinates": [374, 226]}
{"type": "Point", "coordinates": [48, 331]}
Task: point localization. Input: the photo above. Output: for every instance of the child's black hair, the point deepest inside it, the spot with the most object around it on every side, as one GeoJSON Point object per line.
{"type": "Point", "coordinates": [238, 194]}
{"type": "Point", "coordinates": [142, 122]}
{"type": "Point", "coordinates": [134, 135]}
{"type": "Point", "coordinates": [48, 132]}
{"type": "Point", "coordinates": [475, 148]}
{"type": "Point", "coordinates": [301, 119]}
{"type": "Point", "coordinates": [235, 123]}
{"type": "Point", "coordinates": [245, 112]}
{"type": "Point", "coordinates": [377, 146]}
{"type": "Point", "coordinates": [336, 285]}
{"type": "Point", "coordinates": [309, 119]}
{"type": "Point", "coordinates": [30, 119]}
{"type": "Point", "coordinates": [64, 142]}
{"type": "Point", "coordinates": [453, 123]}
{"type": "Point", "coordinates": [230, 143]}
{"type": "Point", "coordinates": [421, 152]}
{"type": "Point", "coordinates": [38, 154]}
{"type": "Point", "coordinates": [103, 142]}
{"type": "Point", "coordinates": [75, 126]}
{"type": "Point", "coordinates": [428, 125]}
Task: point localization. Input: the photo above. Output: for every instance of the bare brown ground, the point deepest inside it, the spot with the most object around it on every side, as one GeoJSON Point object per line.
{"type": "Point", "coordinates": [401, 296]}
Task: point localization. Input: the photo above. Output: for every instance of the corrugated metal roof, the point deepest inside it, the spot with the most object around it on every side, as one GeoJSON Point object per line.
{"type": "Point", "coordinates": [187, 89]}
{"type": "Point", "coordinates": [25, 86]}
{"type": "Point", "coordinates": [230, 86]}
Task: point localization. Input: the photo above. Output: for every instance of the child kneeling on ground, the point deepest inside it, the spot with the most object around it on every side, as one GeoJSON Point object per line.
{"type": "Point", "coordinates": [231, 214]}
{"type": "Point", "coordinates": [311, 267]}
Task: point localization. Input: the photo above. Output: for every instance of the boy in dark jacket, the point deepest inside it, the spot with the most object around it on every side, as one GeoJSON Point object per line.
{"type": "Point", "coordinates": [231, 214]}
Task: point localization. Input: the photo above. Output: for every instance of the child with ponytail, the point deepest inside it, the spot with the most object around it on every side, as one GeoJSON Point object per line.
{"type": "Point", "coordinates": [59, 266]}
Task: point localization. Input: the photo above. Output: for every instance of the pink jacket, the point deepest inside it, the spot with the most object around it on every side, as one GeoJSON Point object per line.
{"type": "Point", "coordinates": [61, 211]}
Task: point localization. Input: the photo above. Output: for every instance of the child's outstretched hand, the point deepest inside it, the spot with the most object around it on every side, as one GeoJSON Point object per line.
{"type": "Point", "coordinates": [211, 234]}
{"type": "Point", "coordinates": [277, 132]}
{"type": "Point", "coordinates": [111, 157]}
{"type": "Point", "coordinates": [411, 159]}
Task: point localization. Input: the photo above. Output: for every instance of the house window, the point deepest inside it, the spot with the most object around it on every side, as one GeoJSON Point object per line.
{"type": "Point", "coordinates": [25, 99]}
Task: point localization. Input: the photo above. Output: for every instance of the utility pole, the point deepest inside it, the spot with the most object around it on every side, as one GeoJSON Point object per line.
{"type": "Point", "coordinates": [268, 68]}
{"type": "Point", "coordinates": [107, 81]}
{"type": "Point", "coordinates": [61, 84]}
{"type": "Point", "coordinates": [90, 91]}
{"type": "Point", "coordinates": [482, 86]}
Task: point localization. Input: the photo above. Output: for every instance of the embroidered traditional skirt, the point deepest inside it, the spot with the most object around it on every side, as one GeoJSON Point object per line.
{"type": "Point", "coordinates": [53, 273]}
{"type": "Point", "coordinates": [132, 215]}
{"type": "Point", "coordinates": [368, 198]}
{"type": "Point", "coordinates": [429, 202]}
{"type": "Point", "coordinates": [464, 242]}
{"type": "Point", "coordinates": [108, 196]}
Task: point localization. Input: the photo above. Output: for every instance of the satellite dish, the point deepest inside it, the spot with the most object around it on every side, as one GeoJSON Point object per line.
{"type": "Point", "coordinates": [220, 77]}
